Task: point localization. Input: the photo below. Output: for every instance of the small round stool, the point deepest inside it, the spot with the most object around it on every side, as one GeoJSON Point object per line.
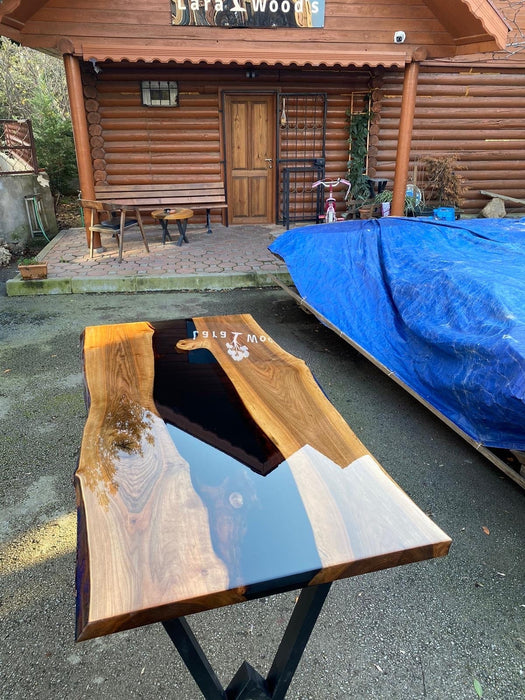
{"type": "Point", "coordinates": [181, 216]}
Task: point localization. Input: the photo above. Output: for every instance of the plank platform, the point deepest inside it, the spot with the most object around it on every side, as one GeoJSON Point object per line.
{"type": "Point", "coordinates": [214, 470]}
{"type": "Point", "coordinates": [504, 197]}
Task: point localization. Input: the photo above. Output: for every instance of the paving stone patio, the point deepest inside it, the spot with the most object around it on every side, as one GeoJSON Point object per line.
{"type": "Point", "coordinates": [230, 257]}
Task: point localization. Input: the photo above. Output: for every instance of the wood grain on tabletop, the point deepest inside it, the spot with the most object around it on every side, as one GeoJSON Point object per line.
{"type": "Point", "coordinates": [163, 535]}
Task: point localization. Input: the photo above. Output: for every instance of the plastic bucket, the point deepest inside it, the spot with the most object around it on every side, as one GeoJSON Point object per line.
{"type": "Point", "coordinates": [445, 213]}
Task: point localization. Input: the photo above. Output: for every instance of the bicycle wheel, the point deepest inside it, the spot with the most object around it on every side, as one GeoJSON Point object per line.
{"type": "Point", "coordinates": [330, 216]}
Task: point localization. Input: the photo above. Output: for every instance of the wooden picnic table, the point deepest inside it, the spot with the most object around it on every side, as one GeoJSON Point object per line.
{"type": "Point", "coordinates": [214, 470]}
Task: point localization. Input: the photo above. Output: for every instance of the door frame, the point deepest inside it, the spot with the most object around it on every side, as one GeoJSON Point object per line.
{"type": "Point", "coordinates": [248, 92]}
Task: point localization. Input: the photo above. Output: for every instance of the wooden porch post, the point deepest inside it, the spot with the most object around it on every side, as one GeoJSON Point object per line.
{"type": "Point", "coordinates": [80, 133]}
{"type": "Point", "coordinates": [406, 122]}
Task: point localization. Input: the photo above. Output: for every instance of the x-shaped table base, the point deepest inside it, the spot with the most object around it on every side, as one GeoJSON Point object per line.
{"type": "Point", "coordinates": [248, 684]}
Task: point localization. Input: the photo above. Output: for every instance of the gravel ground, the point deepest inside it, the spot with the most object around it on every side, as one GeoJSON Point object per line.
{"type": "Point", "coordinates": [433, 629]}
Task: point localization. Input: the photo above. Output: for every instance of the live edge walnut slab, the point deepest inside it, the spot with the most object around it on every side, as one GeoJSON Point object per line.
{"type": "Point", "coordinates": [214, 470]}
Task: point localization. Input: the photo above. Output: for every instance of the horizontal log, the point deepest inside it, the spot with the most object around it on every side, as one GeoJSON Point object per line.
{"type": "Point", "coordinates": [495, 125]}
{"type": "Point", "coordinates": [449, 102]}
{"type": "Point", "coordinates": [146, 178]}
{"type": "Point", "coordinates": [128, 174]}
{"type": "Point", "coordinates": [155, 159]}
{"type": "Point", "coordinates": [190, 101]}
{"type": "Point", "coordinates": [513, 189]}
{"type": "Point", "coordinates": [460, 113]}
{"type": "Point", "coordinates": [389, 144]}
{"type": "Point", "coordinates": [458, 133]}
{"type": "Point", "coordinates": [123, 147]}
{"type": "Point", "coordinates": [170, 123]}
{"type": "Point", "coordinates": [159, 136]}
{"type": "Point", "coordinates": [512, 169]}
{"type": "Point", "coordinates": [487, 78]}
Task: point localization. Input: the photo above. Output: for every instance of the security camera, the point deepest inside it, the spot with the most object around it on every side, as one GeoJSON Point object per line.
{"type": "Point", "coordinates": [96, 68]}
{"type": "Point", "coordinates": [399, 37]}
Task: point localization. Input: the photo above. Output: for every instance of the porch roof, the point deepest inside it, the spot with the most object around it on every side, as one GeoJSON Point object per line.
{"type": "Point", "coordinates": [460, 27]}
{"type": "Point", "coordinates": [210, 53]}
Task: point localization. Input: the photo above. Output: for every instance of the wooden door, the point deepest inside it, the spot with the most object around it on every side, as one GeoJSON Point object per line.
{"type": "Point", "coordinates": [250, 158]}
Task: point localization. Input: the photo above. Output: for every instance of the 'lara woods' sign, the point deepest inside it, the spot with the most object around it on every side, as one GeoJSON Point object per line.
{"type": "Point", "coordinates": [248, 13]}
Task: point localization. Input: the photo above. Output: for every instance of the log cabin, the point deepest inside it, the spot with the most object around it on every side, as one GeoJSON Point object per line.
{"type": "Point", "coordinates": [253, 93]}
{"type": "Point", "coordinates": [472, 106]}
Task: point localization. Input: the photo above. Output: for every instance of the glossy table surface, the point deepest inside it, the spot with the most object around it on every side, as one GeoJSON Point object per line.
{"type": "Point", "coordinates": [214, 470]}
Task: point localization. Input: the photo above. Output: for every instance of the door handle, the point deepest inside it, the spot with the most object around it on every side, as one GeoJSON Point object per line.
{"type": "Point", "coordinates": [269, 163]}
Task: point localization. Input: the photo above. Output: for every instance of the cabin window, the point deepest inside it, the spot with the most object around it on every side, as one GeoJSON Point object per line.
{"type": "Point", "coordinates": [160, 93]}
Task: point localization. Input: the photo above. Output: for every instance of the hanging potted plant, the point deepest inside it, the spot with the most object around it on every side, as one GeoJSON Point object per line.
{"type": "Point", "coordinates": [32, 269]}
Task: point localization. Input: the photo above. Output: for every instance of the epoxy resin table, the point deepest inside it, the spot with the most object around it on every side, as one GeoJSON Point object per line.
{"type": "Point", "coordinates": [213, 470]}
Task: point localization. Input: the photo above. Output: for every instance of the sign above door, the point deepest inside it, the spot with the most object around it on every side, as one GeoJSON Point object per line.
{"type": "Point", "coordinates": [248, 13]}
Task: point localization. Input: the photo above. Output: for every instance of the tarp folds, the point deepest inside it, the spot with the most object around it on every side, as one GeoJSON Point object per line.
{"type": "Point", "coordinates": [440, 304]}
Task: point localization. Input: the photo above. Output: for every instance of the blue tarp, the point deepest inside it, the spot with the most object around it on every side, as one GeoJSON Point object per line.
{"type": "Point", "coordinates": [440, 304]}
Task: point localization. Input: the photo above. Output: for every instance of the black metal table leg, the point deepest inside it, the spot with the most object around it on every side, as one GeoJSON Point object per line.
{"type": "Point", "coordinates": [182, 223]}
{"type": "Point", "coordinates": [295, 639]}
{"type": "Point", "coordinates": [248, 684]}
{"type": "Point", "coordinates": [198, 665]}
{"type": "Point", "coordinates": [165, 232]}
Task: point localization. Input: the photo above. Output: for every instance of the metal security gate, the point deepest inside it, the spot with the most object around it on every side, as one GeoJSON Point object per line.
{"type": "Point", "coordinates": [301, 128]}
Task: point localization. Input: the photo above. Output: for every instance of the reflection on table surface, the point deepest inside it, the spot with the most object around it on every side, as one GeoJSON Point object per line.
{"type": "Point", "coordinates": [214, 470]}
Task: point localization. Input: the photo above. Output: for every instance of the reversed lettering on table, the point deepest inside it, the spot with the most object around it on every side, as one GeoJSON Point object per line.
{"type": "Point", "coordinates": [236, 348]}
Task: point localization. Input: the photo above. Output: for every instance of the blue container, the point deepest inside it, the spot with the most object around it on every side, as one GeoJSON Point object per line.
{"type": "Point", "coordinates": [445, 213]}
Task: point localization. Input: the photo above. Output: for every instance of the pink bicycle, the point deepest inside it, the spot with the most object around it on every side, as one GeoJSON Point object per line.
{"type": "Point", "coordinates": [329, 209]}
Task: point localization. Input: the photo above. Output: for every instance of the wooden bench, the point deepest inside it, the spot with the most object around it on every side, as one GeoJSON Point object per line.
{"type": "Point", "coordinates": [204, 195]}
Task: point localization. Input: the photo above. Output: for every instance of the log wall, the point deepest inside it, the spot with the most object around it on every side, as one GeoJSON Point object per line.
{"type": "Point", "coordinates": [473, 112]}
{"type": "Point", "coordinates": [136, 144]}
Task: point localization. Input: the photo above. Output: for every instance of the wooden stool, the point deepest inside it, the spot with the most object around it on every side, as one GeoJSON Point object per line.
{"type": "Point", "coordinates": [181, 216]}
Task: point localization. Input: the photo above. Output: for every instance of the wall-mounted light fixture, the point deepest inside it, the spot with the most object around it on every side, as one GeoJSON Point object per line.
{"type": "Point", "coordinates": [250, 73]}
{"type": "Point", "coordinates": [160, 93]}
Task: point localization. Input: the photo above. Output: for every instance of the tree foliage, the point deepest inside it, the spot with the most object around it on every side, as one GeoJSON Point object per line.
{"type": "Point", "coordinates": [33, 86]}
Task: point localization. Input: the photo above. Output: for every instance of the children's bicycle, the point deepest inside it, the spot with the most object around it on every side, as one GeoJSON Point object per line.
{"type": "Point", "coordinates": [329, 209]}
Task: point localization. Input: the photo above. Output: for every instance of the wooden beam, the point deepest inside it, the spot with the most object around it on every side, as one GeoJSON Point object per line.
{"type": "Point", "coordinates": [503, 196]}
{"type": "Point", "coordinates": [406, 122]}
{"type": "Point", "coordinates": [80, 133]}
